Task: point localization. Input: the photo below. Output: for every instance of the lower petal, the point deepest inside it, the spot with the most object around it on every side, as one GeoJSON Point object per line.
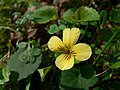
{"type": "Point", "coordinates": [81, 51]}
{"type": "Point", "coordinates": [64, 61]}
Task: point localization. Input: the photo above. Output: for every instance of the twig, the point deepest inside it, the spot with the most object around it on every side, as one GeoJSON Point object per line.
{"type": "Point", "coordinates": [102, 73]}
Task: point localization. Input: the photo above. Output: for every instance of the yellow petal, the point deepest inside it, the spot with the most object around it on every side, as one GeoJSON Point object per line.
{"type": "Point", "coordinates": [65, 61]}
{"type": "Point", "coordinates": [70, 37]}
{"type": "Point", "coordinates": [81, 51]}
{"type": "Point", "coordinates": [55, 44]}
{"type": "Point", "coordinates": [66, 37]}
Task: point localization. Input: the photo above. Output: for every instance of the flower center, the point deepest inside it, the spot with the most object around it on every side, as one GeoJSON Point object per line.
{"type": "Point", "coordinates": [69, 52]}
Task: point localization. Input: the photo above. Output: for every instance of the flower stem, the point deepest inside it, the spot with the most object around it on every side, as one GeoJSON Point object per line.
{"type": "Point", "coordinates": [110, 40]}
{"type": "Point", "coordinates": [85, 31]}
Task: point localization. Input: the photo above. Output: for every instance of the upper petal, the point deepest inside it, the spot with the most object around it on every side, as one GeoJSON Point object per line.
{"type": "Point", "coordinates": [65, 61]}
{"type": "Point", "coordinates": [55, 44]}
{"type": "Point", "coordinates": [70, 37]}
{"type": "Point", "coordinates": [81, 51]}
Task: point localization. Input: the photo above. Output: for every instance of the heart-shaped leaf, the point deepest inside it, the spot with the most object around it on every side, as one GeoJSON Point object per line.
{"type": "Point", "coordinates": [78, 79]}
{"type": "Point", "coordinates": [84, 14]}
{"type": "Point", "coordinates": [53, 29]}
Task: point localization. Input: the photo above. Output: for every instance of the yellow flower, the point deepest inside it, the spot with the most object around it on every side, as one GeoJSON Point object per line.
{"type": "Point", "coordinates": [69, 49]}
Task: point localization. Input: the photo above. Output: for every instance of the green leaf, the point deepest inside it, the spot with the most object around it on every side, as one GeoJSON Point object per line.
{"type": "Point", "coordinates": [34, 43]}
{"type": "Point", "coordinates": [68, 14]}
{"type": "Point", "coordinates": [84, 14]}
{"type": "Point", "coordinates": [115, 15]}
{"type": "Point", "coordinates": [21, 69]}
{"type": "Point", "coordinates": [44, 71]}
{"type": "Point", "coordinates": [115, 64]}
{"type": "Point", "coordinates": [62, 27]}
{"type": "Point", "coordinates": [78, 79]}
{"type": "Point", "coordinates": [53, 29]}
{"type": "Point", "coordinates": [35, 51]}
{"type": "Point", "coordinates": [44, 14]}
{"type": "Point", "coordinates": [27, 56]}
{"type": "Point", "coordinates": [22, 45]}
{"type": "Point", "coordinates": [4, 74]}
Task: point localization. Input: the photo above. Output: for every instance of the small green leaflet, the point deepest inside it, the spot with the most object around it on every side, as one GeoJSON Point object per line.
{"type": "Point", "coordinates": [4, 74]}
{"type": "Point", "coordinates": [24, 62]}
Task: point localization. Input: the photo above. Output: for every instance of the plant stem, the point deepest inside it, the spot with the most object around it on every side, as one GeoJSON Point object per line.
{"type": "Point", "coordinates": [85, 31]}
{"type": "Point", "coordinates": [110, 40]}
{"type": "Point", "coordinates": [28, 82]}
{"type": "Point", "coordinates": [6, 27]}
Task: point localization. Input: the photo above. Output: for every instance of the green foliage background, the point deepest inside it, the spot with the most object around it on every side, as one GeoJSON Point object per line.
{"type": "Point", "coordinates": [26, 63]}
